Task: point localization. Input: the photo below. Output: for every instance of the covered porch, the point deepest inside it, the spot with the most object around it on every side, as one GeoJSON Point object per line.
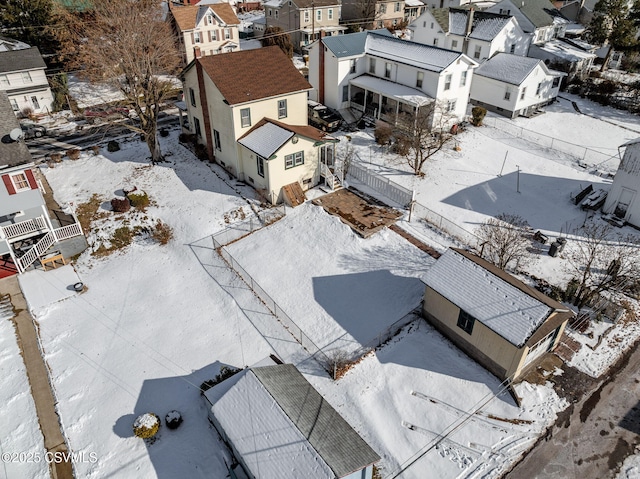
{"type": "Point", "coordinates": [385, 100]}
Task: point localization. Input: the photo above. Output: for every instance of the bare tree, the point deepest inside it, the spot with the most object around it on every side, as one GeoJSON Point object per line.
{"type": "Point", "coordinates": [418, 137]}
{"type": "Point", "coordinates": [504, 242]}
{"type": "Point", "coordinates": [277, 36]}
{"type": "Point", "coordinates": [602, 261]}
{"type": "Point", "coordinates": [129, 46]}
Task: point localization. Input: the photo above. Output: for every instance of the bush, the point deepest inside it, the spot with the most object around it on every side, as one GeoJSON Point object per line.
{"type": "Point", "coordinates": [138, 199]}
{"type": "Point", "coordinates": [383, 133]}
{"type": "Point", "coordinates": [187, 138]}
{"type": "Point", "coordinates": [121, 237]}
{"type": "Point", "coordinates": [95, 149]}
{"type": "Point", "coordinates": [162, 232]}
{"type": "Point", "coordinates": [56, 157]}
{"type": "Point", "coordinates": [164, 132]}
{"type": "Point", "coordinates": [113, 146]}
{"type": "Point", "coordinates": [201, 152]}
{"type": "Point", "coordinates": [73, 154]}
{"type": "Point", "coordinates": [173, 419]}
{"type": "Point", "coordinates": [120, 205]}
{"type": "Point", "coordinates": [146, 426]}
{"type": "Point", "coordinates": [477, 115]}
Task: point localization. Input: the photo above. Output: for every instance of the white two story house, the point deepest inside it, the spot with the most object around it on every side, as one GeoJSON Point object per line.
{"type": "Point", "coordinates": [204, 29]}
{"type": "Point", "coordinates": [256, 130]}
{"type": "Point", "coordinates": [534, 17]}
{"type": "Point", "coordinates": [376, 74]}
{"type": "Point", "coordinates": [477, 34]}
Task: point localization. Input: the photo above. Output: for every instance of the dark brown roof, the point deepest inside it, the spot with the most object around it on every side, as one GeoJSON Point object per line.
{"type": "Point", "coordinates": [306, 131]}
{"type": "Point", "coordinates": [234, 74]}
{"type": "Point", "coordinates": [186, 16]}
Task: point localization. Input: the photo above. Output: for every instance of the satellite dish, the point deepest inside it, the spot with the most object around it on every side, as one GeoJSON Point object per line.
{"type": "Point", "coordinates": [16, 134]}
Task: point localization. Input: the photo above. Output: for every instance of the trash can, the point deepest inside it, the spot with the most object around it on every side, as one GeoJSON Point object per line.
{"type": "Point", "coordinates": [553, 249]}
{"type": "Point", "coordinates": [561, 243]}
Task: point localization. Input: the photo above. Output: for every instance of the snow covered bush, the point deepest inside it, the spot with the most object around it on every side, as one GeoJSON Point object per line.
{"type": "Point", "coordinates": [173, 419]}
{"type": "Point", "coordinates": [146, 426]}
{"type": "Point", "coordinates": [120, 205]}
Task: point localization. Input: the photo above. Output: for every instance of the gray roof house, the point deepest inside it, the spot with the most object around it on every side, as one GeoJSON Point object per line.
{"type": "Point", "coordinates": [534, 16]}
{"type": "Point", "coordinates": [22, 77]}
{"type": "Point", "coordinates": [496, 319]}
{"type": "Point", "coordinates": [279, 427]}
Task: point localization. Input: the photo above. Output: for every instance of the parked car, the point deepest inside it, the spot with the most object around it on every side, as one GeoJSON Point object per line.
{"type": "Point", "coordinates": [30, 130]}
{"type": "Point", "coordinates": [105, 112]}
{"type": "Point", "coordinates": [323, 117]}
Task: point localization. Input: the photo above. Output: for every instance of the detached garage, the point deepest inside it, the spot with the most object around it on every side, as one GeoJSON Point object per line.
{"type": "Point", "coordinates": [493, 317]}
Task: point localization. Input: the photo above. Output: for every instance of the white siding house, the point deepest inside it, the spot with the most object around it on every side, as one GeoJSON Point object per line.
{"type": "Point", "coordinates": [479, 35]}
{"type": "Point", "coordinates": [513, 86]}
{"type": "Point", "coordinates": [533, 17]}
{"type": "Point", "coordinates": [375, 74]}
{"type": "Point", "coordinates": [622, 200]}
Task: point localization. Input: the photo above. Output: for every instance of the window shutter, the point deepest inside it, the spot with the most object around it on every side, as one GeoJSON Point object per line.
{"type": "Point", "coordinates": [217, 36]}
{"type": "Point", "coordinates": [9, 184]}
{"type": "Point", "coordinates": [193, 38]}
{"type": "Point", "coordinates": [31, 179]}
{"type": "Point", "coordinates": [209, 36]}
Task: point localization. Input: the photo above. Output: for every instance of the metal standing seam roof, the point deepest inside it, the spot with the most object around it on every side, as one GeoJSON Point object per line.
{"type": "Point", "coordinates": [394, 90]}
{"type": "Point", "coordinates": [266, 140]}
{"type": "Point", "coordinates": [485, 25]}
{"type": "Point", "coordinates": [502, 307]}
{"type": "Point", "coordinates": [331, 436]}
{"type": "Point", "coordinates": [508, 68]}
{"type": "Point", "coordinates": [417, 54]}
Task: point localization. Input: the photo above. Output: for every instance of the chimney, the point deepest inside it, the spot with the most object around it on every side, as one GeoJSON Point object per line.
{"type": "Point", "coordinates": [196, 52]}
{"type": "Point", "coordinates": [321, 49]}
{"type": "Point", "coordinates": [469, 26]}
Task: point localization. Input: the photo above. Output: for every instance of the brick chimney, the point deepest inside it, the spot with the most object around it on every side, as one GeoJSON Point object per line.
{"type": "Point", "coordinates": [196, 52]}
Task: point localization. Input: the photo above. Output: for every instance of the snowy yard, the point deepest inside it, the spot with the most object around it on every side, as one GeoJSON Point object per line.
{"type": "Point", "coordinates": [340, 289]}
{"type": "Point", "coordinates": [158, 320]}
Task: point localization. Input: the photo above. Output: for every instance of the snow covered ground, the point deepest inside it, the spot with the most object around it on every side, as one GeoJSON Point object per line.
{"type": "Point", "coordinates": [158, 320]}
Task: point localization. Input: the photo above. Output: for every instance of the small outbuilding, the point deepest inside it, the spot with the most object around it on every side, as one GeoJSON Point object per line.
{"type": "Point", "coordinates": [493, 317]}
{"type": "Point", "coordinates": [279, 427]}
{"type": "Point", "coordinates": [622, 200]}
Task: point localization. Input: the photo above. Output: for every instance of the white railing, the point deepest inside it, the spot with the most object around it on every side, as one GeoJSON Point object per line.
{"type": "Point", "coordinates": [34, 253]}
{"type": "Point", "coordinates": [68, 231]}
{"type": "Point", "coordinates": [380, 184]}
{"type": "Point", "coordinates": [24, 227]}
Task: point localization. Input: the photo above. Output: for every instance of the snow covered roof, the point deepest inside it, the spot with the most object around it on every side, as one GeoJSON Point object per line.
{"type": "Point", "coordinates": [496, 299]}
{"type": "Point", "coordinates": [414, 3]}
{"type": "Point", "coordinates": [509, 68]}
{"type": "Point", "coordinates": [348, 45]}
{"type": "Point", "coordinates": [485, 25]}
{"type": "Point", "coordinates": [8, 44]}
{"type": "Point", "coordinates": [283, 429]}
{"type": "Point", "coordinates": [419, 55]}
{"type": "Point", "coordinates": [565, 51]}
{"type": "Point", "coordinates": [393, 90]}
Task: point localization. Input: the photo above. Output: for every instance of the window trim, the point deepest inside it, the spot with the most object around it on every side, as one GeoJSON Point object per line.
{"type": "Point", "coordinates": [330, 14]}
{"type": "Point", "coordinates": [192, 96]}
{"type": "Point", "coordinates": [282, 108]}
{"type": "Point", "coordinates": [307, 16]}
{"type": "Point", "coordinates": [447, 81]}
{"type": "Point", "coordinates": [295, 159]}
{"type": "Point", "coordinates": [318, 15]}
{"type": "Point", "coordinates": [4, 80]}
{"type": "Point", "coordinates": [387, 70]}
{"type": "Point", "coordinates": [507, 95]}
{"type": "Point", "coordinates": [352, 65]}
{"type": "Point", "coordinates": [243, 123]}
{"type": "Point", "coordinates": [216, 140]}
{"type": "Point", "coordinates": [463, 78]}
{"type": "Point", "coordinates": [260, 160]}
{"type": "Point", "coordinates": [16, 182]}
{"type": "Point", "coordinates": [372, 65]}
{"type": "Point", "coordinates": [26, 77]}
{"type": "Point", "coordinates": [466, 322]}
{"type": "Point", "coordinates": [419, 79]}
{"type": "Point", "coordinates": [524, 90]}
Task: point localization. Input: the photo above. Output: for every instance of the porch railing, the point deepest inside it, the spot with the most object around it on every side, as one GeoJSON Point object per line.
{"type": "Point", "coordinates": [38, 250]}
{"type": "Point", "coordinates": [68, 231]}
{"type": "Point", "coordinates": [26, 227]}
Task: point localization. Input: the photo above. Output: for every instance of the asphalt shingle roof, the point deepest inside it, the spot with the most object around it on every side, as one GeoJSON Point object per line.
{"type": "Point", "coordinates": [346, 45]}
{"type": "Point", "coordinates": [232, 74]}
{"type": "Point", "coordinates": [187, 16]}
{"type": "Point", "coordinates": [11, 152]}
{"type": "Point", "coordinates": [21, 60]}
{"type": "Point", "coordinates": [485, 25]}
{"type": "Point", "coordinates": [534, 10]}
{"type": "Point", "coordinates": [508, 68]}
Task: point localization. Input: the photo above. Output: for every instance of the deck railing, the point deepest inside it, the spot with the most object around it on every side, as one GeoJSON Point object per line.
{"type": "Point", "coordinates": [68, 231]}
{"type": "Point", "coordinates": [26, 227]}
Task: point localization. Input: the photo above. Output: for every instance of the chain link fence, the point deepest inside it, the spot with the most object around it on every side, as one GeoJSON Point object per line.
{"type": "Point", "coordinates": [443, 224]}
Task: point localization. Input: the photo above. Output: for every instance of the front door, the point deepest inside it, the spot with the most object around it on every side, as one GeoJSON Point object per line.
{"type": "Point", "coordinates": [626, 197]}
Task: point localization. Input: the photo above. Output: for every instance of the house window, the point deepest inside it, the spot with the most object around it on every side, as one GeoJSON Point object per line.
{"type": "Point", "coordinates": [383, 8]}
{"type": "Point", "coordinates": [431, 25]}
{"type": "Point", "coordinates": [419, 79]}
{"type": "Point", "coordinates": [26, 77]}
{"type": "Point", "coordinates": [196, 124]}
{"type": "Point", "coordinates": [4, 80]}
{"type": "Point", "coordinates": [282, 108]}
{"type": "Point", "coordinates": [524, 90]}
{"type": "Point", "coordinates": [260, 165]}
{"type": "Point", "coordinates": [539, 88]}
{"type": "Point", "coordinates": [387, 70]}
{"type": "Point", "coordinates": [192, 97]}
{"type": "Point", "coordinates": [447, 82]}
{"type": "Point", "coordinates": [424, 24]}
{"type": "Point", "coordinates": [209, 19]}
{"type": "Point", "coordinates": [295, 159]}
{"type": "Point", "coordinates": [330, 14]}
{"type": "Point", "coordinates": [465, 322]}
{"type": "Point", "coordinates": [345, 93]}
{"type": "Point", "coordinates": [512, 48]}
{"type": "Point", "coordinates": [372, 66]}
{"type": "Point", "coordinates": [227, 33]}
{"type": "Point", "coordinates": [463, 78]}
{"type": "Point", "coordinates": [35, 102]}
{"type": "Point", "coordinates": [20, 182]}
{"type": "Point", "coordinates": [196, 37]}
{"type": "Point", "coordinates": [435, 42]}
{"type": "Point", "coordinates": [306, 16]}
{"type": "Point", "coordinates": [556, 82]}
{"type": "Point", "coordinates": [451, 105]}
{"type": "Point", "coordinates": [14, 104]}
{"type": "Point", "coordinates": [396, 7]}
{"type": "Point", "coordinates": [269, 12]}
{"type": "Point", "coordinates": [505, 12]}
{"type": "Point", "coordinates": [245, 117]}
{"type": "Point", "coordinates": [277, 12]}
{"type": "Point", "coordinates": [319, 15]}
{"type": "Point", "coordinates": [477, 52]}
{"type": "Point", "coordinates": [352, 65]}
{"type": "Point", "coordinates": [454, 44]}
{"type": "Point", "coordinates": [216, 140]}
{"type": "Point", "coordinates": [507, 95]}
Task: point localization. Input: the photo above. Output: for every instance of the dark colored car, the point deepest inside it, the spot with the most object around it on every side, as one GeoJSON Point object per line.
{"type": "Point", "coordinates": [29, 130]}
{"type": "Point", "coordinates": [323, 117]}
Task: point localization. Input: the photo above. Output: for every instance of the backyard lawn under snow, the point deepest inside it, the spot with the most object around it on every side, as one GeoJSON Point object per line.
{"type": "Point", "coordinates": [158, 320]}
